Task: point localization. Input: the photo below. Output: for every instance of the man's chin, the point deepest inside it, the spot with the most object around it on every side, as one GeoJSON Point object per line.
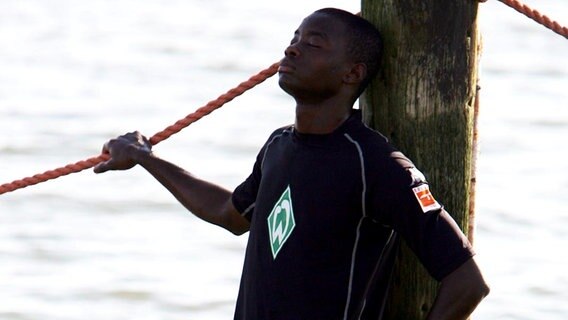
{"type": "Point", "coordinates": [285, 84]}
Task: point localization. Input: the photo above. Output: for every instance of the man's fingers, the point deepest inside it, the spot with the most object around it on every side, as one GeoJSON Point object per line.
{"type": "Point", "coordinates": [118, 149]}
{"type": "Point", "coordinates": [103, 166]}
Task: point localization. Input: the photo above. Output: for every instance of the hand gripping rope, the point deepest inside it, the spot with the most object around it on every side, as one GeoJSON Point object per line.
{"type": "Point", "coordinates": [224, 98]}
{"type": "Point", "coordinates": [155, 139]}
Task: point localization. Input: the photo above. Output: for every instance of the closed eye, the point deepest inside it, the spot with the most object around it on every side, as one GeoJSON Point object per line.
{"type": "Point", "coordinates": [309, 44]}
{"type": "Point", "coordinates": [313, 45]}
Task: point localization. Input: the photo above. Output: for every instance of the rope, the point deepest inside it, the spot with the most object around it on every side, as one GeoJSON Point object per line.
{"type": "Point", "coordinates": [223, 99]}
{"type": "Point", "coordinates": [537, 16]}
{"type": "Point", "coordinates": [155, 139]}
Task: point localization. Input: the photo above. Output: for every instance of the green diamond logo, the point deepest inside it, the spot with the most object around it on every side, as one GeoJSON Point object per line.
{"type": "Point", "coordinates": [281, 222]}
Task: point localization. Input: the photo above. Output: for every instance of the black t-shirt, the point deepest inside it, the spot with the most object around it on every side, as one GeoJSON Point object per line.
{"type": "Point", "coordinates": [326, 212]}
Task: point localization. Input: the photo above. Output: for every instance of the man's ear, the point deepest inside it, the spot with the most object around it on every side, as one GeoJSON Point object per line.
{"type": "Point", "coordinates": [356, 74]}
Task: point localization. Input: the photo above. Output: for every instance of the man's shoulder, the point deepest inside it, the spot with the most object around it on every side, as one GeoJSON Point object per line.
{"type": "Point", "coordinates": [370, 140]}
{"type": "Point", "coordinates": [285, 130]}
{"type": "Point", "coordinates": [380, 155]}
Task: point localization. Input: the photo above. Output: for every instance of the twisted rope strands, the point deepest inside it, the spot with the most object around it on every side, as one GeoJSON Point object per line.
{"type": "Point", "coordinates": [538, 17]}
{"type": "Point", "coordinates": [155, 139]}
{"type": "Point", "coordinates": [215, 104]}
{"type": "Point", "coordinates": [52, 174]}
{"type": "Point", "coordinates": [226, 97]}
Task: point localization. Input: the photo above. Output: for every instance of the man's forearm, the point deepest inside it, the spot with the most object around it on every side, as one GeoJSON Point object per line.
{"type": "Point", "coordinates": [460, 293]}
{"type": "Point", "coordinates": [206, 200]}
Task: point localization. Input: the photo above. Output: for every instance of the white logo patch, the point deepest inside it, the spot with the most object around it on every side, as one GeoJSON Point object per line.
{"type": "Point", "coordinates": [417, 176]}
{"type": "Point", "coordinates": [281, 222]}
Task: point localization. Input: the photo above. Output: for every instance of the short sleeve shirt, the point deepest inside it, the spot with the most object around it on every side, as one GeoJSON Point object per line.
{"type": "Point", "coordinates": [326, 214]}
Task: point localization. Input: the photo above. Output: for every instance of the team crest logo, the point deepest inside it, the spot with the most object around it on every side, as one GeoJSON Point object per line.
{"type": "Point", "coordinates": [281, 222]}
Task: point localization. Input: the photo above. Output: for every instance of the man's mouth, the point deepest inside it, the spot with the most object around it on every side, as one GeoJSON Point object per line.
{"type": "Point", "coordinates": [285, 68]}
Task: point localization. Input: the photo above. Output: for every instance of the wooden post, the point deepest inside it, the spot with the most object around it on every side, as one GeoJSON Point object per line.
{"type": "Point", "coordinates": [424, 101]}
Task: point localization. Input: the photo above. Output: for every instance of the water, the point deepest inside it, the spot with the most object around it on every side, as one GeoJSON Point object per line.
{"type": "Point", "coordinates": [117, 246]}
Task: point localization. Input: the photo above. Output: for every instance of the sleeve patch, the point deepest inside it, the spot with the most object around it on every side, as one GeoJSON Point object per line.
{"type": "Point", "coordinates": [425, 198]}
{"type": "Point", "coordinates": [416, 176]}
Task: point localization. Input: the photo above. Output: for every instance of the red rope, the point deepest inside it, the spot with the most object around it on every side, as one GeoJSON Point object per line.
{"type": "Point", "coordinates": [537, 16]}
{"type": "Point", "coordinates": [224, 98]}
{"type": "Point", "coordinates": [155, 139]}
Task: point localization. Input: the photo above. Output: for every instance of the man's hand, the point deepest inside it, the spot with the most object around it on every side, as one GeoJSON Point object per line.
{"type": "Point", "coordinates": [206, 200]}
{"type": "Point", "coordinates": [124, 151]}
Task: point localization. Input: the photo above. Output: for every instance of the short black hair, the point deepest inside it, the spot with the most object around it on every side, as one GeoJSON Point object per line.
{"type": "Point", "coordinates": [365, 42]}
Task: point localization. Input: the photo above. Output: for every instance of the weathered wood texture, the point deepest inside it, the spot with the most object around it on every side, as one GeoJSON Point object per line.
{"type": "Point", "coordinates": [423, 101]}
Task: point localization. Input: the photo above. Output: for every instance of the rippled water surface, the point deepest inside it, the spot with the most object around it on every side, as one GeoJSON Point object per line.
{"type": "Point", "coordinates": [117, 246]}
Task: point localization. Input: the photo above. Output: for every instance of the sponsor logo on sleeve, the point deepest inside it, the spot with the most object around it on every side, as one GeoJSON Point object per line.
{"type": "Point", "coordinates": [425, 198]}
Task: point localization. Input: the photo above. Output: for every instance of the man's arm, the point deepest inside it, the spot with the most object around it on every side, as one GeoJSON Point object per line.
{"type": "Point", "coordinates": [206, 200]}
{"type": "Point", "coordinates": [459, 294]}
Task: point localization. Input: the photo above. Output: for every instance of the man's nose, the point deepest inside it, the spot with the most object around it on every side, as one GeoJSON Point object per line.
{"type": "Point", "coordinates": [292, 51]}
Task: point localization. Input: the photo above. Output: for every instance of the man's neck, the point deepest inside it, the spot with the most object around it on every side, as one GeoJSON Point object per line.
{"type": "Point", "coordinates": [321, 118]}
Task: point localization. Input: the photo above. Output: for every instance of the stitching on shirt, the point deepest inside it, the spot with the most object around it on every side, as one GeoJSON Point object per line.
{"type": "Point", "coordinates": [381, 257]}
{"type": "Point", "coordinates": [363, 209]}
{"type": "Point", "coordinates": [353, 257]}
{"type": "Point", "coordinates": [269, 143]}
{"type": "Point", "coordinates": [363, 179]}
{"type": "Point", "coordinates": [248, 209]}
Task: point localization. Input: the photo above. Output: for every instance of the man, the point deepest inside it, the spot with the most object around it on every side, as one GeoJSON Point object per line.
{"type": "Point", "coordinates": [328, 197]}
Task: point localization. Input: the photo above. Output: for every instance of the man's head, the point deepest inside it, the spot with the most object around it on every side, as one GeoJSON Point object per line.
{"type": "Point", "coordinates": [331, 50]}
{"type": "Point", "coordinates": [365, 44]}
